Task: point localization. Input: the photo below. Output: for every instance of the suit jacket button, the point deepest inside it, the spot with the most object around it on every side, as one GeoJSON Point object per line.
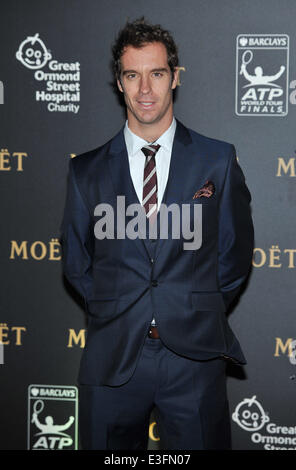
{"type": "Point", "coordinates": [154, 283]}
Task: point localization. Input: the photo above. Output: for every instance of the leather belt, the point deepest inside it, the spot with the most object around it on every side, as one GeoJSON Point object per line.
{"type": "Point", "coordinates": [153, 332]}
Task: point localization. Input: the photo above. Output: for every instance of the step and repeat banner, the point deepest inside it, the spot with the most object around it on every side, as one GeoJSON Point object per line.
{"type": "Point", "coordinates": [238, 84]}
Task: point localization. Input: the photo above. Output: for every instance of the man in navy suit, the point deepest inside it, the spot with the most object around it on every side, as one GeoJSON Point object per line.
{"type": "Point", "coordinates": [158, 336]}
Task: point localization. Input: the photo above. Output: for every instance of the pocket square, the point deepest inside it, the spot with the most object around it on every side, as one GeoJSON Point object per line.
{"type": "Point", "coordinates": [207, 190]}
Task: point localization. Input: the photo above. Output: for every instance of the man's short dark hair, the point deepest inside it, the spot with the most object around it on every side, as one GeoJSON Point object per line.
{"type": "Point", "coordinates": [137, 34]}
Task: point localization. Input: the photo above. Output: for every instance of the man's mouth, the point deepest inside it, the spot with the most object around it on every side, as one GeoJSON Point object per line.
{"type": "Point", "coordinates": [146, 104]}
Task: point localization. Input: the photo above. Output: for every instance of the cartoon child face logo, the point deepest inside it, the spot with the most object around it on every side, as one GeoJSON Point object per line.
{"type": "Point", "coordinates": [32, 52]}
{"type": "Point", "coordinates": [250, 415]}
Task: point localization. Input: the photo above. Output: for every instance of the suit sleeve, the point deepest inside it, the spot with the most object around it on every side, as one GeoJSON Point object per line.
{"type": "Point", "coordinates": [236, 233]}
{"type": "Point", "coordinates": [77, 239]}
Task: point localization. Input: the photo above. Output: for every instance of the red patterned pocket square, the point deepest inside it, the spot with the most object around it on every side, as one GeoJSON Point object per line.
{"type": "Point", "coordinates": [207, 190]}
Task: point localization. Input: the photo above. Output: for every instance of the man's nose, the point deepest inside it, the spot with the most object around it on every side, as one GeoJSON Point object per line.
{"type": "Point", "coordinates": [145, 86]}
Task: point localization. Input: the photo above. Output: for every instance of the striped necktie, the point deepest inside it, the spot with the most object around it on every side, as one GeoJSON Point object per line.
{"type": "Point", "coordinates": [150, 181]}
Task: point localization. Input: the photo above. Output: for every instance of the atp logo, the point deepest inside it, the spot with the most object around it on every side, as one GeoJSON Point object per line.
{"type": "Point", "coordinates": [52, 417]}
{"type": "Point", "coordinates": [262, 69]}
{"type": "Point", "coordinates": [32, 53]}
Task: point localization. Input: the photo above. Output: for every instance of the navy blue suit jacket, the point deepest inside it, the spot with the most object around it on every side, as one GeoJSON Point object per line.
{"type": "Point", "coordinates": [114, 276]}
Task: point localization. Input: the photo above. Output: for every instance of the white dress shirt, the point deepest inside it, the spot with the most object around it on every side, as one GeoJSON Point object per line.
{"type": "Point", "coordinates": [137, 159]}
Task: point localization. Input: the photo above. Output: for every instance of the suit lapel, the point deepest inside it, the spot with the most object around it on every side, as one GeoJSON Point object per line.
{"type": "Point", "coordinates": [179, 173]}
{"type": "Point", "coordinates": [179, 166]}
{"type": "Point", "coordinates": [119, 169]}
{"type": "Point", "coordinates": [121, 178]}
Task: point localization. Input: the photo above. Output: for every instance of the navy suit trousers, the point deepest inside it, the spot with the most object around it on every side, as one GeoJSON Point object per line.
{"type": "Point", "coordinates": [188, 397]}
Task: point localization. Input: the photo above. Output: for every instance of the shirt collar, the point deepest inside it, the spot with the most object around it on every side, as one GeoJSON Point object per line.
{"type": "Point", "coordinates": [134, 143]}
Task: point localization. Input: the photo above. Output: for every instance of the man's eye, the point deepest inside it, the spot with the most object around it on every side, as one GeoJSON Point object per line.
{"type": "Point", "coordinates": [157, 74]}
{"type": "Point", "coordinates": [130, 76]}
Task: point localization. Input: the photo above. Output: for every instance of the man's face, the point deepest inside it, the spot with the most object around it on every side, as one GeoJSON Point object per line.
{"type": "Point", "coordinates": [147, 84]}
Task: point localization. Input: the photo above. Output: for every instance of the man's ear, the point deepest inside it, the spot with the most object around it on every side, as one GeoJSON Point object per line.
{"type": "Point", "coordinates": [175, 78]}
{"type": "Point", "coordinates": [119, 85]}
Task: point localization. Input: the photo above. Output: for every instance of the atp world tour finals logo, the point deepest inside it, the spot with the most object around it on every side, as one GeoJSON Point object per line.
{"type": "Point", "coordinates": [52, 417]}
{"type": "Point", "coordinates": [262, 69]}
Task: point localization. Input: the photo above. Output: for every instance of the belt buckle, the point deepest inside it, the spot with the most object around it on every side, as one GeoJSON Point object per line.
{"type": "Point", "coordinates": [153, 332]}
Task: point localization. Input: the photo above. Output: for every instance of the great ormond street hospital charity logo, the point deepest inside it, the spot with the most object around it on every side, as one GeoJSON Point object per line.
{"type": "Point", "coordinates": [32, 52]}
{"type": "Point", "coordinates": [55, 83]}
{"type": "Point", "coordinates": [250, 415]}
